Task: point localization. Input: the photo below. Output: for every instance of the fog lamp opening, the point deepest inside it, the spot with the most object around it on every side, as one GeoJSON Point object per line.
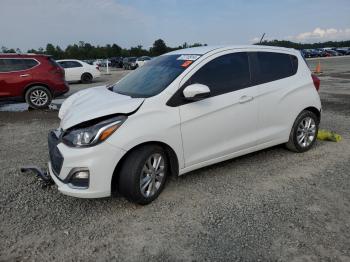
{"type": "Point", "coordinates": [80, 179]}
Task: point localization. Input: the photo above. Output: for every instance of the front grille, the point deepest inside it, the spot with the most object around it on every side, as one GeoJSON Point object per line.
{"type": "Point", "coordinates": [55, 155]}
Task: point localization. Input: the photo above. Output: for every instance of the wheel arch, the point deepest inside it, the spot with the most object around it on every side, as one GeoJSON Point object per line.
{"type": "Point", "coordinates": [87, 73]}
{"type": "Point", "coordinates": [314, 110]}
{"type": "Point", "coordinates": [170, 153]}
{"type": "Point", "coordinates": [35, 84]}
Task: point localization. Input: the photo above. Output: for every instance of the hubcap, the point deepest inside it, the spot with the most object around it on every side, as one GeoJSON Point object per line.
{"type": "Point", "coordinates": [306, 132]}
{"type": "Point", "coordinates": [152, 175]}
{"type": "Point", "coordinates": [39, 97]}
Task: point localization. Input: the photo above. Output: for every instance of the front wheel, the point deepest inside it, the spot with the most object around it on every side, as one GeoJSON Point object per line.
{"type": "Point", "coordinates": [38, 97]}
{"type": "Point", "coordinates": [304, 132]}
{"type": "Point", "coordinates": [143, 174]}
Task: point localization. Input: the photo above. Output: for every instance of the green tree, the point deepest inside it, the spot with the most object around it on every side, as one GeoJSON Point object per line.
{"type": "Point", "coordinates": [7, 50]}
{"type": "Point", "coordinates": [116, 50]}
{"type": "Point", "coordinates": [51, 50]}
{"type": "Point", "coordinates": [159, 48]}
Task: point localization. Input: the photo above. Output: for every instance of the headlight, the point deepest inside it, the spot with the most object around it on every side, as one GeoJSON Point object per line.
{"type": "Point", "coordinates": [92, 135]}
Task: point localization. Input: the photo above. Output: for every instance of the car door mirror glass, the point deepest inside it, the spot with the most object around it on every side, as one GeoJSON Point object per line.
{"type": "Point", "coordinates": [196, 92]}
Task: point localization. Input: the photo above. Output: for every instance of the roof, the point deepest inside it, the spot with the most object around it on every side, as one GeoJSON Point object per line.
{"type": "Point", "coordinates": [206, 49]}
{"type": "Point", "coordinates": [15, 55]}
{"type": "Point", "coordinates": [62, 60]}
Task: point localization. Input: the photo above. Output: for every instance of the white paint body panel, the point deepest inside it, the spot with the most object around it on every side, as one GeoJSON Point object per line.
{"type": "Point", "coordinates": [200, 133]}
{"type": "Point", "coordinates": [93, 103]}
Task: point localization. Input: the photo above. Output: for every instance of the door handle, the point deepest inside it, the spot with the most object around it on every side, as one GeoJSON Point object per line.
{"type": "Point", "coordinates": [245, 99]}
{"type": "Point", "coordinates": [25, 75]}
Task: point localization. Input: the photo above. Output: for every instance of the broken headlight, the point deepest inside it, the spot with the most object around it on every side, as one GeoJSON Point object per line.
{"type": "Point", "coordinates": [94, 134]}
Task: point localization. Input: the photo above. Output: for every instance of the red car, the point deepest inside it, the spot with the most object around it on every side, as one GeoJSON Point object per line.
{"type": "Point", "coordinates": [36, 79]}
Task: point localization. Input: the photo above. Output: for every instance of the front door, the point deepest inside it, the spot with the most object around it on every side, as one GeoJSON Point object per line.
{"type": "Point", "coordinates": [226, 122]}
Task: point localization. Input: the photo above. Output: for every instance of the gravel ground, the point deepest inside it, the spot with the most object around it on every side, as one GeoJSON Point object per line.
{"type": "Point", "coordinates": [272, 205]}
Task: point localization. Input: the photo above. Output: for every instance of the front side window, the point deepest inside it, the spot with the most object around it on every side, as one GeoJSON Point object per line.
{"type": "Point", "coordinates": [224, 74]}
{"type": "Point", "coordinates": [152, 78]}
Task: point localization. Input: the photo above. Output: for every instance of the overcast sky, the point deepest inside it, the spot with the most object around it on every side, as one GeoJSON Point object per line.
{"type": "Point", "coordinates": [34, 23]}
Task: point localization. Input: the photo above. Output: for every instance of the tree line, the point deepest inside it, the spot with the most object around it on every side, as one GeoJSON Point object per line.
{"type": "Point", "coordinates": [82, 50]}
{"type": "Point", "coordinates": [289, 44]}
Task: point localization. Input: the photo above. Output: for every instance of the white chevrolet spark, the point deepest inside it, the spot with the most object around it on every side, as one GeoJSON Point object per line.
{"type": "Point", "coordinates": [179, 112]}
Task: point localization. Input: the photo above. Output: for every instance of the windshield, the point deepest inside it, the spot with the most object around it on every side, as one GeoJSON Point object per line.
{"type": "Point", "coordinates": [152, 78]}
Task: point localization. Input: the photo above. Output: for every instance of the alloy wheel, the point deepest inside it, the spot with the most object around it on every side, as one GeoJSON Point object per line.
{"type": "Point", "coordinates": [39, 97]}
{"type": "Point", "coordinates": [306, 132]}
{"type": "Point", "coordinates": [152, 175]}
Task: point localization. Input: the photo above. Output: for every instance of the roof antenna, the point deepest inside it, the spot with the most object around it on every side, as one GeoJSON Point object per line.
{"type": "Point", "coordinates": [261, 39]}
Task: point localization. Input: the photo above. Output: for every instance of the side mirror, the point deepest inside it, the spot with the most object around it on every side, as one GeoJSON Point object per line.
{"type": "Point", "coordinates": [196, 92]}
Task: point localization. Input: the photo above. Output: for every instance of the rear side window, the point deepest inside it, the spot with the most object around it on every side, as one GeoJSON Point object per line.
{"type": "Point", "coordinates": [14, 64]}
{"type": "Point", "coordinates": [70, 64]}
{"type": "Point", "coordinates": [29, 63]}
{"type": "Point", "coordinates": [270, 66]}
{"type": "Point", "coordinates": [224, 74]}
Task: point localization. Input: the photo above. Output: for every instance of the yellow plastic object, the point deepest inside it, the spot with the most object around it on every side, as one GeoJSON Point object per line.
{"type": "Point", "coordinates": [326, 135]}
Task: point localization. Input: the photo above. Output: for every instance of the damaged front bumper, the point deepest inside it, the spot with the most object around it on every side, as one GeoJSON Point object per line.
{"type": "Point", "coordinates": [44, 176]}
{"type": "Point", "coordinates": [82, 172]}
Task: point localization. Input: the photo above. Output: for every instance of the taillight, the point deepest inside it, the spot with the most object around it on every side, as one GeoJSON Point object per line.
{"type": "Point", "coordinates": [98, 68]}
{"type": "Point", "coordinates": [317, 81]}
{"type": "Point", "coordinates": [63, 73]}
{"type": "Point", "coordinates": [58, 71]}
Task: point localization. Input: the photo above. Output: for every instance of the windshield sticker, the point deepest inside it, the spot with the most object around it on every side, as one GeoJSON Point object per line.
{"type": "Point", "coordinates": [186, 63]}
{"type": "Point", "coordinates": [189, 57]}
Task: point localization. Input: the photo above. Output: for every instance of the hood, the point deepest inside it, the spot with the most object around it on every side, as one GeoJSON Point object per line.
{"type": "Point", "coordinates": [93, 103]}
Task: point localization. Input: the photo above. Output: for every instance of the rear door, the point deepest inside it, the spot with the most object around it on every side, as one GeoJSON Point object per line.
{"type": "Point", "coordinates": [274, 74]}
{"type": "Point", "coordinates": [225, 122]}
{"type": "Point", "coordinates": [15, 75]}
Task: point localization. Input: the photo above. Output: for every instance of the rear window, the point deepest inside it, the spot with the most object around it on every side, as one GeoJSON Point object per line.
{"type": "Point", "coordinates": [53, 62]}
{"type": "Point", "coordinates": [270, 66]}
{"type": "Point", "coordinates": [16, 64]}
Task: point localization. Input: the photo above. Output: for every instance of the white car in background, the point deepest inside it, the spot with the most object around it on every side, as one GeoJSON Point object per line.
{"type": "Point", "coordinates": [142, 60]}
{"type": "Point", "coordinates": [76, 70]}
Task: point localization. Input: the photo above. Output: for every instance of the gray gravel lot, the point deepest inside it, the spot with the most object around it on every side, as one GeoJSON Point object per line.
{"type": "Point", "coordinates": [272, 205]}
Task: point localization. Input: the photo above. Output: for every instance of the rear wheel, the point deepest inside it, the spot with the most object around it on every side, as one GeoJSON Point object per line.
{"type": "Point", "coordinates": [143, 174]}
{"type": "Point", "coordinates": [38, 97]}
{"type": "Point", "coordinates": [304, 132]}
{"type": "Point", "coordinates": [86, 78]}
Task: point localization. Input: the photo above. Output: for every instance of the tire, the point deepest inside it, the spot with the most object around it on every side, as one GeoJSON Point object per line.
{"type": "Point", "coordinates": [38, 97]}
{"type": "Point", "coordinates": [137, 166]}
{"type": "Point", "coordinates": [86, 78]}
{"type": "Point", "coordinates": [304, 132]}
